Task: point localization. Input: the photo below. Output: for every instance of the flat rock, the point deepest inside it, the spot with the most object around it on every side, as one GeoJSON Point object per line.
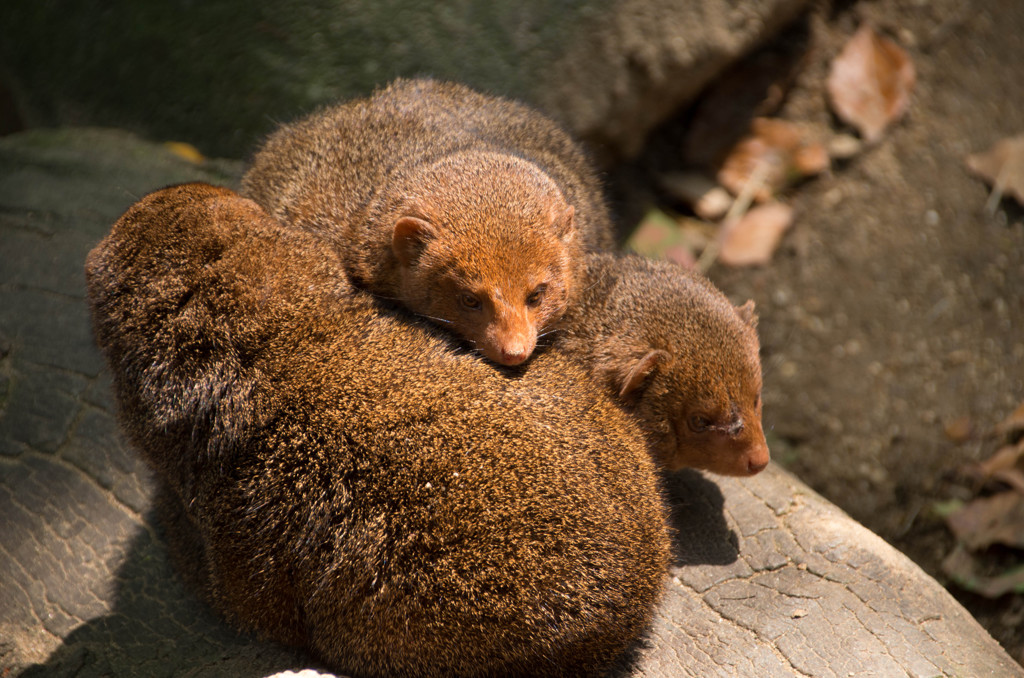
{"type": "Point", "coordinates": [769, 580]}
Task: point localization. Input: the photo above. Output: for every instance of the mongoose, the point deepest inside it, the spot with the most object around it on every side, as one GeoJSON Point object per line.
{"type": "Point", "coordinates": [343, 476]}
{"type": "Point", "coordinates": [469, 209]}
{"type": "Point", "coordinates": [672, 349]}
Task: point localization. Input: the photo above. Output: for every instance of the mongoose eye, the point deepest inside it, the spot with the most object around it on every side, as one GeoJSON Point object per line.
{"type": "Point", "coordinates": [698, 424]}
{"type": "Point", "coordinates": [469, 301]}
{"type": "Point", "coordinates": [536, 296]}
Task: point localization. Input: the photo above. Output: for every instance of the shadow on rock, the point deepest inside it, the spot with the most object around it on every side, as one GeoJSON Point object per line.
{"type": "Point", "coordinates": [158, 628]}
{"type": "Point", "coordinates": [697, 518]}
{"type": "Point", "coordinates": [700, 536]}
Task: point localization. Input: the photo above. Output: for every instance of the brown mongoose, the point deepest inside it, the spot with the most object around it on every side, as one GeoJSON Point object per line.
{"type": "Point", "coordinates": [469, 209]}
{"type": "Point", "coordinates": [355, 482]}
{"type": "Point", "coordinates": [678, 356]}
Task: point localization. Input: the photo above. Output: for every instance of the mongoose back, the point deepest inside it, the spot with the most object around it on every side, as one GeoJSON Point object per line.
{"type": "Point", "coordinates": [348, 479]}
{"type": "Point", "coordinates": [668, 345]}
{"type": "Point", "coordinates": [469, 209]}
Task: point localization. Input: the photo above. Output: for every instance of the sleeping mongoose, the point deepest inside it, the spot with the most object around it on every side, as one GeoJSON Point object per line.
{"type": "Point", "coordinates": [341, 475]}
{"type": "Point", "coordinates": [471, 210]}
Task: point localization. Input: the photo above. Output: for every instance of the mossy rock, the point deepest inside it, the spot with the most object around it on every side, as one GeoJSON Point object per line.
{"type": "Point", "coordinates": [220, 75]}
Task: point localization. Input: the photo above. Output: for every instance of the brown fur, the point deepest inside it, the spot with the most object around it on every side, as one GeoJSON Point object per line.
{"type": "Point", "coordinates": [357, 484]}
{"type": "Point", "coordinates": [468, 209]}
{"type": "Point", "coordinates": [681, 359]}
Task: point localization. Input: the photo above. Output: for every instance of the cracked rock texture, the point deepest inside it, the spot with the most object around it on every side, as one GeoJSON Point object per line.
{"type": "Point", "coordinates": [770, 579]}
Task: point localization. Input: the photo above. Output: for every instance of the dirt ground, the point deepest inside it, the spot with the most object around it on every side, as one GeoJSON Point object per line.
{"type": "Point", "coordinates": [895, 305]}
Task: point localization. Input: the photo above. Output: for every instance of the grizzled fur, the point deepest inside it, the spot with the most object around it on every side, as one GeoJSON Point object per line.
{"type": "Point", "coordinates": [468, 209]}
{"type": "Point", "coordinates": [339, 475]}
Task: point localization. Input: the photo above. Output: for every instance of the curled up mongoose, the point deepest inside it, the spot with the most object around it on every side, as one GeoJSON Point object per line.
{"type": "Point", "coordinates": [470, 210]}
{"type": "Point", "coordinates": [340, 475]}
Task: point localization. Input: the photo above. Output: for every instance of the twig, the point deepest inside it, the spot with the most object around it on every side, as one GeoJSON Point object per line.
{"type": "Point", "coordinates": [739, 207]}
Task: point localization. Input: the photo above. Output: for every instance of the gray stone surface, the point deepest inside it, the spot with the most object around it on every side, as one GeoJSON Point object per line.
{"type": "Point", "coordinates": [219, 75]}
{"type": "Point", "coordinates": [639, 61]}
{"type": "Point", "coordinates": [770, 579]}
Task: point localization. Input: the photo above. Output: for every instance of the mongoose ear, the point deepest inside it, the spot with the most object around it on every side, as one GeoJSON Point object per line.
{"type": "Point", "coordinates": [409, 237]}
{"type": "Point", "coordinates": [635, 375]}
{"type": "Point", "coordinates": [748, 314]}
{"type": "Point", "coordinates": [565, 224]}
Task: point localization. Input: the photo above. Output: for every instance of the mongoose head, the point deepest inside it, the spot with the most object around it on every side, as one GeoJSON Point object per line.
{"type": "Point", "coordinates": [686, 363]}
{"type": "Point", "coordinates": [487, 246]}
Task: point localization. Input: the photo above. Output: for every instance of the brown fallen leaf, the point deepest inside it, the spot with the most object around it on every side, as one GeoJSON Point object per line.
{"type": "Point", "coordinates": [1012, 478]}
{"type": "Point", "coordinates": [1005, 458]}
{"type": "Point", "coordinates": [870, 83]}
{"type": "Point", "coordinates": [959, 430]}
{"type": "Point", "coordinates": [1013, 424]}
{"type": "Point", "coordinates": [998, 519]}
{"type": "Point", "coordinates": [754, 237]}
{"type": "Point", "coordinates": [1001, 166]}
{"type": "Point", "coordinates": [990, 520]}
{"type": "Point", "coordinates": [775, 155]}
{"type": "Point", "coordinates": [1006, 466]}
{"type": "Point", "coordinates": [963, 568]}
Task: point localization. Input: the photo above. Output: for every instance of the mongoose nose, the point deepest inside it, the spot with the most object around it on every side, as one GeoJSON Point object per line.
{"type": "Point", "coordinates": [513, 357]}
{"type": "Point", "coordinates": [756, 465]}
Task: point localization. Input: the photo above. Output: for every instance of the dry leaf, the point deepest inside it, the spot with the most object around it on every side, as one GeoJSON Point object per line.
{"type": "Point", "coordinates": [707, 199]}
{"type": "Point", "coordinates": [870, 83]}
{"type": "Point", "coordinates": [185, 151]}
{"type": "Point", "coordinates": [995, 519]}
{"type": "Point", "coordinates": [1005, 458]}
{"type": "Point", "coordinates": [1013, 423]}
{"type": "Point", "coordinates": [659, 237]}
{"type": "Point", "coordinates": [1013, 478]}
{"type": "Point", "coordinates": [959, 430]}
{"type": "Point", "coordinates": [1006, 466]}
{"type": "Point", "coordinates": [754, 238]}
{"type": "Point", "coordinates": [1002, 166]}
{"type": "Point", "coordinates": [963, 568]}
{"type": "Point", "coordinates": [998, 519]}
{"type": "Point", "coordinates": [844, 147]}
{"type": "Point", "coordinates": [776, 154]}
